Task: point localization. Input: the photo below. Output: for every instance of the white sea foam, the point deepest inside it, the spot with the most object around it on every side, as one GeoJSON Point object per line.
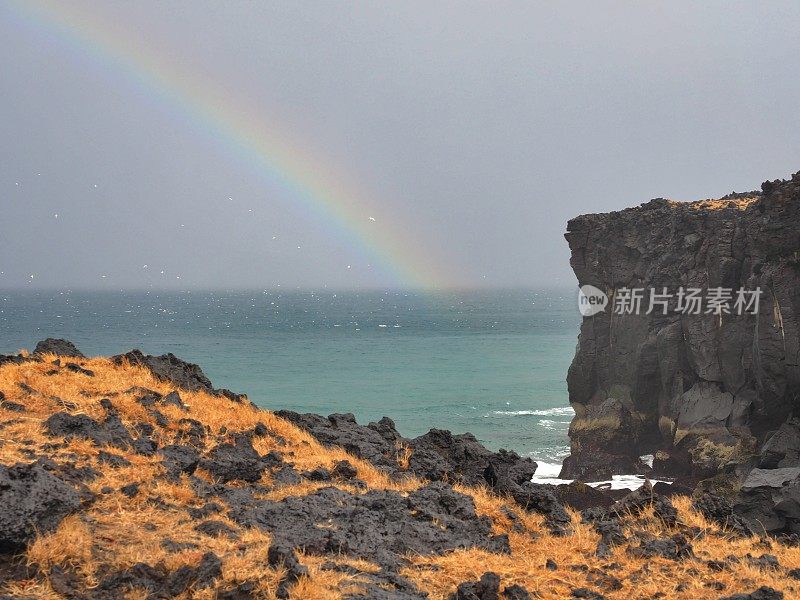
{"type": "Point", "coordinates": [550, 424]}
{"type": "Point", "coordinates": [559, 411]}
{"type": "Point", "coordinates": [547, 472]}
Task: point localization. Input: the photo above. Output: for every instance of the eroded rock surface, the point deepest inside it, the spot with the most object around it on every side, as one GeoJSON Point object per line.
{"type": "Point", "coordinates": [706, 393]}
{"type": "Point", "coordinates": [381, 526]}
{"type": "Point", "coordinates": [59, 347]}
{"type": "Point", "coordinates": [436, 456]}
{"type": "Point", "coordinates": [32, 501]}
{"type": "Point", "coordinates": [180, 373]}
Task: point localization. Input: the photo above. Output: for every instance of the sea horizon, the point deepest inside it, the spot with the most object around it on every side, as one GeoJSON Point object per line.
{"type": "Point", "coordinates": [491, 362]}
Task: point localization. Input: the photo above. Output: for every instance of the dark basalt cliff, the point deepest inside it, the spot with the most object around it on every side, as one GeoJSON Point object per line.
{"type": "Point", "coordinates": [709, 395]}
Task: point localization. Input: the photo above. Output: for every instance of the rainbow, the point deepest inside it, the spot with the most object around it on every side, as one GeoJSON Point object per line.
{"type": "Point", "coordinates": [312, 186]}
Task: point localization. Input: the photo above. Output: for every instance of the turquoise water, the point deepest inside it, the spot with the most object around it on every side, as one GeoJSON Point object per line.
{"type": "Point", "coordinates": [489, 362]}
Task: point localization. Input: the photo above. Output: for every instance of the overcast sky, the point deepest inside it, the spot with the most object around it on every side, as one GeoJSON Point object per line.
{"type": "Point", "coordinates": [480, 127]}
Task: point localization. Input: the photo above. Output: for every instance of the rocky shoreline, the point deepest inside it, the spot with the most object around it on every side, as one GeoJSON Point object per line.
{"type": "Point", "coordinates": [132, 476]}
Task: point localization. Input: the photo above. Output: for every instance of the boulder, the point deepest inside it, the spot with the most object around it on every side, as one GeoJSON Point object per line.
{"type": "Point", "coordinates": [59, 347]}
{"type": "Point", "coordinates": [769, 500]}
{"type": "Point", "coordinates": [179, 459]}
{"type": "Point", "coordinates": [580, 496]}
{"type": "Point", "coordinates": [33, 501]}
{"type": "Point", "coordinates": [595, 465]}
{"type": "Point", "coordinates": [487, 588]}
{"type": "Point", "coordinates": [675, 548]}
{"type": "Point", "coordinates": [234, 462]}
{"type": "Point", "coordinates": [782, 449]}
{"type": "Point", "coordinates": [719, 510]}
{"type": "Point", "coordinates": [109, 432]}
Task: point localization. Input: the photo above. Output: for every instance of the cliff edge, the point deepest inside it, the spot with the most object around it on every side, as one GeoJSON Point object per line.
{"type": "Point", "coordinates": [712, 393]}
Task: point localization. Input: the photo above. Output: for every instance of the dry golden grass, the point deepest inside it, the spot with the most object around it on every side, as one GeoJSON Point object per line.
{"type": "Point", "coordinates": [116, 532]}
{"type": "Point", "coordinates": [640, 578]}
{"type": "Point", "coordinates": [723, 203]}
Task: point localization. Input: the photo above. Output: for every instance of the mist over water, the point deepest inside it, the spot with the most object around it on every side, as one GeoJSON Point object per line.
{"type": "Point", "coordinates": [490, 362]}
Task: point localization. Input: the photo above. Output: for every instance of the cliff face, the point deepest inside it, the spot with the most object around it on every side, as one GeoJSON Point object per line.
{"type": "Point", "coordinates": [704, 392]}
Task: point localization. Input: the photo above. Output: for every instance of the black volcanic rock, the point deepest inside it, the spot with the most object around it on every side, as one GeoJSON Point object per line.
{"type": "Point", "coordinates": [380, 526]}
{"type": "Point", "coordinates": [234, 462]}
{"type": "Point", "coordinates": [782, 449]}
{"type": "Point", "coordinates": [675, 548]}
{"type": "Point", "coordinates": [180, 373]}
{"type": "Point", "coordinates": [436, 456]}
{"type": "Point", "coordinates": [375, 442]}
{"type": "Point", "coordinates": [33, 501]}
{"type": "Point", "coordinates": [580, 496]}
{"type": "Point", "coordinates": [703, 390]}
{"type": "Point", "coordinates": [158, 582]}
{"type": "Point", "coordinates": [110, 432]}
{"type": "Point", "coordinates": [179, 459]}
{"type": "Point", "coordinates": [76, 368]}
{"type": "Point", "coordinates": [718, 510]}
{"type": "Point", "coordinates": [59, 347]}
{"type": "Point", "coordinates": [769, 500]}
{"type": "Point", "coordinates": [487, 588]}
{"type": "Point", "coordinates": [464, 459]}
{"type": "Point", "coordinates": [762, 593]}
{"type": "Point", "coordinates": [439, 456]}
{"type": "Point", "coordinates": [282, 556]}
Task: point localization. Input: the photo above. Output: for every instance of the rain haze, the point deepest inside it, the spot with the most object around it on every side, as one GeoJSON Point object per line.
{"type": "Point", "coordinates": [443, 144]}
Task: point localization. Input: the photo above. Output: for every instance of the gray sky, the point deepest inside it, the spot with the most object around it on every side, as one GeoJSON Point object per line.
{"type": "Point", "coordinates": [476, 131]}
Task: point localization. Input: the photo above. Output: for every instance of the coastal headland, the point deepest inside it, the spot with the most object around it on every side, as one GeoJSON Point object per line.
{"type": "Point", "coordinates": [133, 477]}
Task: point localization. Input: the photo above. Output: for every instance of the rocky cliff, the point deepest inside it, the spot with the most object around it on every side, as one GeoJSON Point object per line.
{"type": "Point", "coordinates": [714, 393]}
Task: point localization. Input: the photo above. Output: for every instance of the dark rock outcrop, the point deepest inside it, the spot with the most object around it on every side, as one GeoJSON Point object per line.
{"type": "Point", "coordinates": [284, 557]}
{"type": "Point", "coordinates": [704, 392]}
{"type": "Point", "coordinates": [234, 462]}
{"type": "Point", "coordinates": [675, 548]}
{"type": "Point", "coordinates": [440, 456]}
{"type": "Point", "coordinates": [110, 432]}
{"type": "Point", "coordinates": [33, 501]}
{"type": "Point", "coordinates": [718, 510]}
{"type": "Point", "coordinates": [180, 373]}
{"type": "Point", "coordinates": [487, 588]}
{"type": "Point", "coordinates": [436, 456]}
{"type": "Point", "coordinates": [381, 526]}
{"type": "Point", "coordinates": [59, 347]}
{"type": "Point", "coordinates": [762, 593]}
{"type": "Point", "coordinates": [179, 459]}
{"type": "Point", "coordinates": [782, 449]}
{"type": "Point", "coordinates": [159, 582]}
{"type": "Point", "coordinates": [769, 500]}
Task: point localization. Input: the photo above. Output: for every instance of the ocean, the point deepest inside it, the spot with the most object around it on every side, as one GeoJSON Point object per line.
{"type": "Point", "coordinates": [490, 362]}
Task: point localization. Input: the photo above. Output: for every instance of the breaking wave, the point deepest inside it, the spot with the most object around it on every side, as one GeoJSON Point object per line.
{"type": "Point", "coordinates": [559, 411]}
